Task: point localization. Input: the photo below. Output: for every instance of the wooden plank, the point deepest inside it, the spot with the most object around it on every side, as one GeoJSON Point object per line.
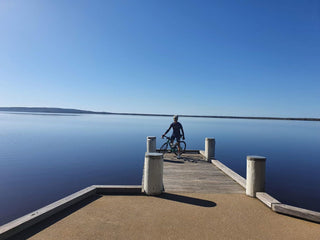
{"type": "Point", "coordinates": [266, 199]}
{"type": "Point", "coordinates": [194, 174]}
{"type": "Point", "coordinates": [187, 151]}
{"type": "Point", "coordinates": [235, 176]}
{"type": "Point", "coordinates": [297, 212]}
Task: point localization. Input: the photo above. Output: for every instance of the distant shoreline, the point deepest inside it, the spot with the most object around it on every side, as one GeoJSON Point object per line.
{"type": "Point", "coordinates": [77, 111]}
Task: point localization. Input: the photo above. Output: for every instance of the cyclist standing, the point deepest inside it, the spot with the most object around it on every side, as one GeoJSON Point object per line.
{"type": "Point", "coordinates": [176, 127]}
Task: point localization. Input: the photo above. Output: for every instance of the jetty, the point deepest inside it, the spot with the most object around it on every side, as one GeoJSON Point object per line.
{"type": "Point", "coordinates": [200, 198]}
{"type": "Point", "coordinates": [193, 174]}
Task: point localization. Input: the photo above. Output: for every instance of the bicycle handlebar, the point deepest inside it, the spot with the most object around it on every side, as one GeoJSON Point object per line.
{"type": "Point", "coordinates": [167, 137]}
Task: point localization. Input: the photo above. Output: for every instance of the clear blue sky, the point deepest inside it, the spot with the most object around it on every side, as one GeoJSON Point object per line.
{"type": "Point", "coordinates": [256, 58]}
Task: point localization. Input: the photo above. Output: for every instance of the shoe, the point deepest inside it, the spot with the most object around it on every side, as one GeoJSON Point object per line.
{"type": "Point", "coordinates": [178, 157]}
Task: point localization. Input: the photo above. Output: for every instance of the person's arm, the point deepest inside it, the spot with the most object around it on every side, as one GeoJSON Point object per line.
{"type": "Point", "coordinates": [182, 132]}
{"type": "Point", "coordinates": [167, 131]}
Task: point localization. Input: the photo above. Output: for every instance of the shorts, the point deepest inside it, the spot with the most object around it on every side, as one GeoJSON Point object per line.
{"type": "Point", "coordinates": [175, 137]}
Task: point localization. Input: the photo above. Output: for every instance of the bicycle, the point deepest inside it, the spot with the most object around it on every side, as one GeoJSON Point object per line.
{"type": "Point", "coordinates": [173, 147]}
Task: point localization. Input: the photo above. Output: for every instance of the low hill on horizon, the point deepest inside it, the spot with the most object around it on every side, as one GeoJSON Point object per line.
{"type": "Point", "coordinates": [43, 110]}
{"type": "Point", "coordinates": [77, 111]}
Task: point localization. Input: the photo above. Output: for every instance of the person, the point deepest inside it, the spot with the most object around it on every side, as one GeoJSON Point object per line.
{"type": "Point", "coordinates": [177, 132]}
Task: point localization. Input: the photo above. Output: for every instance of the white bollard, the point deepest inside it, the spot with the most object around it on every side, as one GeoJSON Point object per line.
{"type": "Point", "coordinates": [256, 174]}
{"type": "Point", "coordinates": [153, 174]}
{"type": "Point", "coordinates": [151, 144]}
{"type": "Point", "coordinates": [210, 145]}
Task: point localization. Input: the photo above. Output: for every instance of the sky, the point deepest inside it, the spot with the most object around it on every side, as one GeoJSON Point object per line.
{"type": "Point", "coordinates": [240, 58]}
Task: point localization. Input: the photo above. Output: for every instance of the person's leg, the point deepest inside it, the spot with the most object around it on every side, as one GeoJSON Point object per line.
{"type": "Point", "coordinates": [172, 139]}
{"type": "Point", "coordinates": [178, 141]}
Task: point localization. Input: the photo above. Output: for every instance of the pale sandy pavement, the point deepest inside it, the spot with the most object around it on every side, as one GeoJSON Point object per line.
{"type": "Point", "coordinates": [178, 216]}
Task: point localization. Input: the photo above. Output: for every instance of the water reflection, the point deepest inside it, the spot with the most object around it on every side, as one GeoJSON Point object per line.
{"type": "Point", "coordinates": [44, 158]}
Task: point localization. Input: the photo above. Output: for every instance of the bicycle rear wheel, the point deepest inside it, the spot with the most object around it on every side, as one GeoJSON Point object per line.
{"type": "Point", "coordinates": [183, 146]}
{"type": "Point", "coordinates": [164, 148]}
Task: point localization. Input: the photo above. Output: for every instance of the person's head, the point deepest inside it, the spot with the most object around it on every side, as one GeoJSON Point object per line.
{"type": "Point", "coordinates": [175, 118]}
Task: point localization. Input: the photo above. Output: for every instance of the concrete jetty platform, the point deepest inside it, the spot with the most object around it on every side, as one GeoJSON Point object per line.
{"type": "Point", "coordinates": [199, 202]}
{"type": "Point", "coordinates": [173, 216]}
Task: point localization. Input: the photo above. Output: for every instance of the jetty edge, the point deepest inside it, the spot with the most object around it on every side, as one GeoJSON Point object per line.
{"type": "Point", "coordinates": [268, 200]}
{"type": "Point", "coordinates": [24, 222]}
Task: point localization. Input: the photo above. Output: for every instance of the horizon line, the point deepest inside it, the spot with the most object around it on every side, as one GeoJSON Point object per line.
{"type": "Point", "coordinates": [78, 111]}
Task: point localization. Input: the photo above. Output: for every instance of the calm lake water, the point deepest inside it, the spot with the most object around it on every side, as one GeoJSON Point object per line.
{"type": "Point", "coordinates": [45, 157]}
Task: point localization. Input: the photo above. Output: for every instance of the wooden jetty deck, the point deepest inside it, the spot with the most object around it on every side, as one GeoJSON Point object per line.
{"type": "Point", "coordinates": [192, 174]}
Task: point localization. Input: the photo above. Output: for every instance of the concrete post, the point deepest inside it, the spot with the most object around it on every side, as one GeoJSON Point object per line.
{"type": "Point", "coordinates": [153, 174]}
{"type": "Point", "coordinates": [151, 144]}
{"type": "Point", "coordinates": [210, 145]}
{"type": "Point", "coordinates": [256, 172]}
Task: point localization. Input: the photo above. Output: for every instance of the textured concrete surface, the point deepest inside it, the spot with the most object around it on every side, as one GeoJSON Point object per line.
{"type": "Point", "coordinates": [174, 216]}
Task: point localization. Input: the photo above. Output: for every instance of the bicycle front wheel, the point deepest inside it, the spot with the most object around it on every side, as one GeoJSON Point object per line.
{"type": "Point", "coordinates": [183, 146]}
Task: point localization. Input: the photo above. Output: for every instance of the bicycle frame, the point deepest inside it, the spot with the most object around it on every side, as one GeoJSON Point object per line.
{"type": "Point", "coordinates": [173, 146]}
